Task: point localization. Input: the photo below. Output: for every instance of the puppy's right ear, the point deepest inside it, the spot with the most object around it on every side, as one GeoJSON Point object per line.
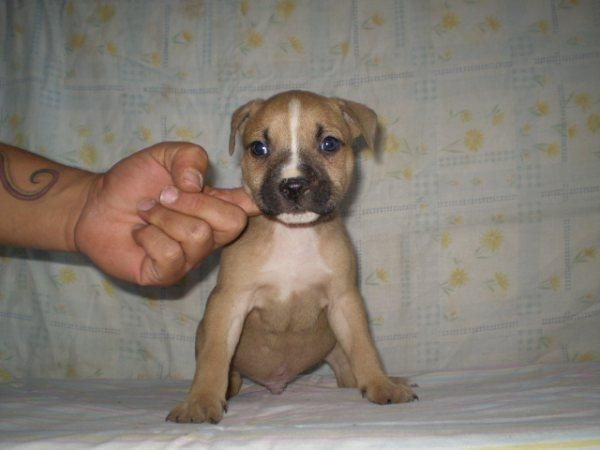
{"type": "Point", "coordinates": [239, 118]}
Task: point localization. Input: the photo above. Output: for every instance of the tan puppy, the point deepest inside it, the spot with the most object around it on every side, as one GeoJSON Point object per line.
{"type": "Point", "coordinates": [287, 297]}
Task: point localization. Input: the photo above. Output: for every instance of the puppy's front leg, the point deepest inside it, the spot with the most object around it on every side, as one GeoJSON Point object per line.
{"type": "Point", "coordinates": [348, 319]}
{"type": "Point", "coordinates": [217, 338]}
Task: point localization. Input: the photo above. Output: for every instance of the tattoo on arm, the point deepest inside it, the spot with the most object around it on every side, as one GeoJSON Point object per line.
{"type": "Point", "coordinates": [10, 186]}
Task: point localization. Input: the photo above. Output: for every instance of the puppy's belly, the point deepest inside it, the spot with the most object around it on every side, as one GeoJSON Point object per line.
{"type": "Point", "coordinates": [275, 347]}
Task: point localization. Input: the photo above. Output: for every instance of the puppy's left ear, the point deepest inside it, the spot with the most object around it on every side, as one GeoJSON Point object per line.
{"type": "Point", "coordinates": [238, 119]}
{"type": "Point", "coordinates": [361, 119]}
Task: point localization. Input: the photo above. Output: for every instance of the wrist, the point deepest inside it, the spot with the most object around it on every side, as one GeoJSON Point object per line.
{"type": "Point", "coordinates": [82, 188]}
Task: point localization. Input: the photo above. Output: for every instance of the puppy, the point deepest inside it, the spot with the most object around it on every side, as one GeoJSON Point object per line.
{"type": "Point", "coordinates": [287, 298]}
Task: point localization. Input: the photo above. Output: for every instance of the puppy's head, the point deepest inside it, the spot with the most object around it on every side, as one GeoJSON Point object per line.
{"type": "Point", "coordinates": [298, 152]}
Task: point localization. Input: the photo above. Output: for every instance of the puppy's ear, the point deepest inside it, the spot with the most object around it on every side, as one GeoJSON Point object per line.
{"type": "Point", "coordinates": [238, 119]}
{"type": "Point", "coordinates": [361, 119]}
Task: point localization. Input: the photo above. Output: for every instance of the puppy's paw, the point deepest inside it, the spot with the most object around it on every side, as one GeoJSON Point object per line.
{"type": "Point", "coordinates": [198, 410]}
{"type": "Point", "coordinates": [385, 391]}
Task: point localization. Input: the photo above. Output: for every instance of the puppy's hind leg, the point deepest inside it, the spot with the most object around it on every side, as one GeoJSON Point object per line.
{"type": "Point", "coordinates": [340, 364]}
{"type": "Point", "coordinates": [235, 384]}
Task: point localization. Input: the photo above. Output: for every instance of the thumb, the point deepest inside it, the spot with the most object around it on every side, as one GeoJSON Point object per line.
{"type": "Point", "coordinates": [237, 196]}
{"type": "Point", "coordinates": [186, 162]}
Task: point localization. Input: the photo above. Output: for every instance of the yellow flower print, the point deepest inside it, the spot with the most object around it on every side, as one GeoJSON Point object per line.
{"type": "Point", "coordinates": [586, 255]}
{"type": "Point", "coordinates": [542, 26]}
{"type": "Point", "coordinates": [587, 356]}
{"type": "Point", "coordinates": [589, 253]}
{"type": "Point", "coordinates": [155, 59]}
{"type": "Point", "coordinates": [69, 9]}
{"type": "Point", "coordinates": [88, 154]}
{"type": "Point", "coordinates": [109, 288]}
{"type": "Point", "coordinates": [555, 282]}
{"type": "Point", "coordinates": [497, 118]}
{"type": "Point", "coordinates": [493, 23]}
{"type": "Point", "coordinates": [72, 371]}
{"type": "Point", "coordinates": [583, 100]}
{"type": "Point", "coordinates": [76, 41]}
{"type": "Point", "coordinates": [67, 276]}
{"type": "Point", "coordinates": [526, 129]}
{"type": "Point", "coordinates": [343, 48]}
{"type": "Point", "coordinates": [187, 36]}
{"type": "Point", "coordinates": [145, 134]}
{"type": "Point", "coordinates": [498, 218]}
{"type": "Point", "coordinates": [552, 150]}
{"type": "Point", "coordinates": [84, 131]}
{"type": "Point", "coordinates": [593, 123]}
{"type": "Point", "coordinates": [254, 39]}
{"type": "Point", "coordinates": [449, 21]}
{"type": "Point", "coordinates": [15, 121]}
{"type": "Point", "coordinates": [446, 240]}
{"type": "Point", "coordinates": [296, 44]}
{"type": "Point", "coordinates": [502, 281]}
{"type": "Point", "coordinates": [112, 48]}
{"type": "Point", "coordinates": [408, 173]}
{"type": "Point", "coordinates": [456, 220]}
{"type": "Point", "coordinates": [105, 13]}
{"type": "Point", "coordinates": [5, 375]}
{"type": "Point", "coordinates": [541, 108]}
{"type": "Point", "coordinates": [245, 7]}
{"type": "Point", "coordinates": [473, 140]}
{"type": "Point", "coordinates": [376, 20]}
{"type": "Point", "coordinates": [552, 283]}
{"type": "Point", "coordinates": [285, 8]}
{"type": "Point", "coordinates": [466, 116]}
{"type": "Point", "coordinates": [492, 240]}
{"type": "Point", "coordinates": [572, 131]}
{"type": "Point", "coordinates": [458, 278]}
{"type": "Point", "coordinates": [109, 137]}
{"type": "Point", "coordinates": [184, 133]}
{"type": "Point", "coordinates": [382, 275]}
{"type": "Point", "coordinates": [391, 144]}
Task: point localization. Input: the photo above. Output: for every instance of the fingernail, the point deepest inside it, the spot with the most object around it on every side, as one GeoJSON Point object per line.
{"type": "Point", "coordinates": [193, 176]}
{"type": "Point", "coordinates": [146, 204]}
{"type": "Point", "coordinates": [169, 194]}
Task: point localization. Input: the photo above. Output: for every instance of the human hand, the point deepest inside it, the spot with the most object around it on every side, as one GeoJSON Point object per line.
{"type": "Point", "coordinates": [150, 220]}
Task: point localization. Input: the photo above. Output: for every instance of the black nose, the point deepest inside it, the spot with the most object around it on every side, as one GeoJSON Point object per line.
{"type": "Point", "coordinates": [293, 188]}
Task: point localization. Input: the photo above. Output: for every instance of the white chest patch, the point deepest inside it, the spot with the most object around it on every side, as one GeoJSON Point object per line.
{"type": "Point", "coordinates": [295, 262]}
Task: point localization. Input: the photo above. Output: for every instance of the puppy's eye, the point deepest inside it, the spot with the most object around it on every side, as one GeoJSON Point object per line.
{"type": "Point", "coordinates": [259, 149]}
{"type": "Point", "coordinates": [330, 145]}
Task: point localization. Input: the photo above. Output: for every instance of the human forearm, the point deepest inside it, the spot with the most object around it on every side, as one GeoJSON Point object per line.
{"type": "Point", "coordinates": [40, 200]}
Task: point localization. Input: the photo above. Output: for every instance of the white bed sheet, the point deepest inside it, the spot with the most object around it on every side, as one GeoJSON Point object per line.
{"type": "Point", "coordinates": [549, 406]}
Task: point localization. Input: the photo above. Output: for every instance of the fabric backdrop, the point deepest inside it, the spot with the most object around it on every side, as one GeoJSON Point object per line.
{"type": "Point", "coordinates": [477, 221]}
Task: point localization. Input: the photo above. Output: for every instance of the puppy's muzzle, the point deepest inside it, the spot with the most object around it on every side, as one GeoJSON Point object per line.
{"type": "Point", "coordinates": [293, 189]}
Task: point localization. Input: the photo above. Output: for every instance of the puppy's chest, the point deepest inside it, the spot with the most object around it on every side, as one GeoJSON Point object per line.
{"type": "Point", "coordinates": [294, 263]}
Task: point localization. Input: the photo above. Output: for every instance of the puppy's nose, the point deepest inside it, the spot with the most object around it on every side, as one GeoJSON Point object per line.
{"type": "Point", "coordinates": [293, 188]}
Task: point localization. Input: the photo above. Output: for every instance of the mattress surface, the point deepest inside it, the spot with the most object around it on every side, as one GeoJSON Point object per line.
{"type": "Point", "coordinates": [540, 406]}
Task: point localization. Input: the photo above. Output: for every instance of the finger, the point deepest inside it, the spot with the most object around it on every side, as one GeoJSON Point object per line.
{"type": "Point", "coordinates": [237, 196]}
{"type": "Point", "coordinates": [194, 235]}
{"type": "Point", "coordinates": [225, 219]}
{"type": "Point", "coordinates": [164, 262]}
{"type": "Point", "coordinates": [186, 162]}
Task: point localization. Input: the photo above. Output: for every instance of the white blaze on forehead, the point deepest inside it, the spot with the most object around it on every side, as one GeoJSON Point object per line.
{"type": "Point", "coordinates": [291, 168]}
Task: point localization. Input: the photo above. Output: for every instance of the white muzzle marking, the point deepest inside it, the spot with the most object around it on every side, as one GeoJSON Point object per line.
{"type": "Point", "coordinates": [298, 218]}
